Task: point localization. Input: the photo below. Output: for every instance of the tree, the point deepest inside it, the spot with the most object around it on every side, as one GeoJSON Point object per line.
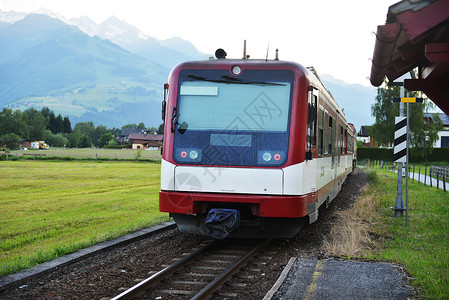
{"type": "Point", "coordinates": [129, 126]}
{"type": "Point", "coordinates": [74, 138]}
{"type": "Point", "coordinates": [13, 122]}
{"type": "Point", "coordinates": [10, 140]}
{"type": "Point", "coordinates": [45, 111]}
{"type": "Point", "coordinates": [100, 130]}
{"type": "Point", "coordinates": [105, 139]}
{"type": "Point", "coordinates": [59, 124]}
{"type": "Point", "coordinates": [85, 141]}
{"type": "Point", "coordinates": [52, 126]}
{"type": "Point", "coordinates": [385, 110]}
{"type": "Point", "coordinates": [85, 127]}
{"type": "Point", "coordinates": [66, 126]}
{"type": "Point", "coordinates": [55, 140]}
{"type": "Point", "coordinates": [141, 126]}
{"type": "Point", "coordinates": [36, 124]}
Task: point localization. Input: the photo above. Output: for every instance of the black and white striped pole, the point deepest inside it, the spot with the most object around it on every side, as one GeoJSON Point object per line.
{"type": "Point", "coordinates": [400, 153]}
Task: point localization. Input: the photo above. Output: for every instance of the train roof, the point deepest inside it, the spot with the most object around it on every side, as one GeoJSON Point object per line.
{"type": "Point", "coordinates": [313, 71]}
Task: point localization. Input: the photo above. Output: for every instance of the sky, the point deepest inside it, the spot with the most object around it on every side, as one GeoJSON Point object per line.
{"type": "Point", "coordinates": [336, 37]}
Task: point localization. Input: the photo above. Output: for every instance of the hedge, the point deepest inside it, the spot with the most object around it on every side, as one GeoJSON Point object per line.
{"type": "Point", "coordinates": [416, 154]}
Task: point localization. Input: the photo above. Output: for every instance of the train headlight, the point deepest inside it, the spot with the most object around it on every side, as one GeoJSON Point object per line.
{"type": "Point", "coordinates": [236, 70]}
{"type": "Point", "coordinates": [266, 156]}
{"type": "Point", "coordinates": [188, 155]}
{"type": "Point", "coordinates": [193, 154]}
{"type": "Point", "coordinates": [271, 157]}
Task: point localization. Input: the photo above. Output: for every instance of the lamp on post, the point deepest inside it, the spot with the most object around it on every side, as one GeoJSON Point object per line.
{"type": "Point", "coordinates": [425, 164]}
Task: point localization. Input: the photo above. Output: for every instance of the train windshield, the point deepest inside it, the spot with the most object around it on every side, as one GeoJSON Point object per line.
{"type": "Point", "coordinates": [225, 120]}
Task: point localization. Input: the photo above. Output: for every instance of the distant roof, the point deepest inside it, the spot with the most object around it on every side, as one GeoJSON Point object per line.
{"type": "Point", "coordinates": [364, 131]}
{"type": "Point", "coordinates": [444, 118]}
{"type": "Point", "coordinates": [128, 131]}
{"type": "Point", "coordinates": [415, 34]}
{"type": "Point", "coordinates": [146, 137]}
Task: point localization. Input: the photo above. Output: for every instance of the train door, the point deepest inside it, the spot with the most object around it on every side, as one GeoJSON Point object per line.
{"type": "Point", "coordinates": [312, 122]}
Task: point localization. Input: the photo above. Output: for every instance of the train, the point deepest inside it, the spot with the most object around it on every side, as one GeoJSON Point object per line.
{"type": "Point", "coordinates": [251, 148]}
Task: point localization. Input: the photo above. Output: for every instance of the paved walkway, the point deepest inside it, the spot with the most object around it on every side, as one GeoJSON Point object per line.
{"type": "Point", "coordinates": [435, 183]}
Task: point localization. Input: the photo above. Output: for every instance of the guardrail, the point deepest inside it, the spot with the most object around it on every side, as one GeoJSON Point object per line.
{"type": "Point", "coordinates": [439, 172]}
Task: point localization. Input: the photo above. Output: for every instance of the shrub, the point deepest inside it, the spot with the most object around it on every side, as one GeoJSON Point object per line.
{"type": "Point", "coordinates": [11, 140]}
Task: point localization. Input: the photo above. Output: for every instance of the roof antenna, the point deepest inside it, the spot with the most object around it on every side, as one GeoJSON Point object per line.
{"type": "Point", "coordinates": [244, 49]}
{"type": "Point", "coordinates": [268, 48]}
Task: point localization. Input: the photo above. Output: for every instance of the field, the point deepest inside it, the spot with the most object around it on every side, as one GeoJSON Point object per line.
{"type": "Point", "coordinates": [92, 154]}
{"type": "Point", "coordinates": [51, 208]}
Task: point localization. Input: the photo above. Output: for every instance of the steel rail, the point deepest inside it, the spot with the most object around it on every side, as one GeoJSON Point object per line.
{"type": "Point", "coordinates": [214, 285]}
{"type": "Point", "coordinates": [155, 278]}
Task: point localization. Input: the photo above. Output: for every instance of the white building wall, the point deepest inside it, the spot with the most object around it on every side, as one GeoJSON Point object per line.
{"type": "Point", "coordinates": [444, 133]}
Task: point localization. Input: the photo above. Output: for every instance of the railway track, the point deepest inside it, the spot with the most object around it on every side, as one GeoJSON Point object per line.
{"type": "Point", "coordinates": [199, 274]}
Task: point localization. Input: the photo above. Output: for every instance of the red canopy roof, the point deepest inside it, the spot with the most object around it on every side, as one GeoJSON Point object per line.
{"type": "Point", "coordinates": [416, 34]}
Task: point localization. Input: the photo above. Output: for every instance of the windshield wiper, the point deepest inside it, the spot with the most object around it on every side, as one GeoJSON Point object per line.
{"type": "Point", "coordinates": [200, 78]}
{"type": "Point", "coordinates": [240, 81]}
{"type": "Point", "coordinates": [232, 80]}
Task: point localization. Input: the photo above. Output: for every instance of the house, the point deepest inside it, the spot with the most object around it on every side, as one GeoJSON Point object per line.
{"type": "Point", "coordinates": [443, 136]}
{"type": "Point", "coordinates": [364, 136]}
{"type": "Point", "coordinates": [126, 132]}
{"type": "Point", "coordinates": [25, 144]}
{"type": "Point", "coordinates": [145, 141]}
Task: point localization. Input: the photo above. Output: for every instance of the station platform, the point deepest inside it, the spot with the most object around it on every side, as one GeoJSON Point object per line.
{"type": "Point", "coordinates": [339, 279]}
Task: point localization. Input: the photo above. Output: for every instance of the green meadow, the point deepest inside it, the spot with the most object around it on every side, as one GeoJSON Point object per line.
{"type": "Point", "coordinates": [422, 248]}
{"type": "Point", "coordinates": [51, 208]}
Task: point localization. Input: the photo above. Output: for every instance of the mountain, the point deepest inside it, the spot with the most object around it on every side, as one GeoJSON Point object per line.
{"type": "Point", "coordinates": [355, 99]}
{"type": "Point", "coordinates": [109, 73]}
{"type": "Point", "coordinates": [168, 52]}
{"type": "Point", "coordinates": [11, 16]}
{"type": "Point", "coordinates": [49, 63]}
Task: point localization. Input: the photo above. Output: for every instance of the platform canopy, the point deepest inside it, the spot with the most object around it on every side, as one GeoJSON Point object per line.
{"type": "Point", "coordinates": [415, 35]}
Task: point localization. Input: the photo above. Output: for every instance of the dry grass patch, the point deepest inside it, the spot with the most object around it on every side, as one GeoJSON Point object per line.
{"type": "Point", "coordinates": [350, 237]}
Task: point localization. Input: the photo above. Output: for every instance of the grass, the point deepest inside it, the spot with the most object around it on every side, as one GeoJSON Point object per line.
{"type": "Point", "coordinates": [422, 248]}
{"type": "Point", "coordinates": [51, 208]}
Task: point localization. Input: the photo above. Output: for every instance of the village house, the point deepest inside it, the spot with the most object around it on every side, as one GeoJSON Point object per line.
{"type": "Point", "coordinates": [145, 141]}
{"type": "Point", "coordinates": [443, 136]}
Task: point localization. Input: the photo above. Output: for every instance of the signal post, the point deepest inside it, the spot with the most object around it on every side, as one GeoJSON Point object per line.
{"type": "Point", "coordinates": [401, 143]}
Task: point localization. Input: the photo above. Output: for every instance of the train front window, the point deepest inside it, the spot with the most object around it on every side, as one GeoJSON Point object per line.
{"type": "Point", "coordinates": [242, 121]}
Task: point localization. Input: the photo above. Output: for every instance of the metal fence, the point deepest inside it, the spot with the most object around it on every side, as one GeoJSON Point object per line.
{"type": "Point", "coordinates": [418, 172]}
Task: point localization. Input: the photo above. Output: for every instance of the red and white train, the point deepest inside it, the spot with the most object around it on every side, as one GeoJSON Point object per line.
{"type": "Point", "coordinates": [253, 146]}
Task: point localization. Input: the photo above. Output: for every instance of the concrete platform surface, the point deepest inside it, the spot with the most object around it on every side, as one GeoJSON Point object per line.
{"type": "Point", "coordinates": [337, 279]}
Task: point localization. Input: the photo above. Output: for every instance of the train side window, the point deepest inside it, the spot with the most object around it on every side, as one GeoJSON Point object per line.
{"type": "Point", "coordinates": [334, 138]}
{"type": "Point", "coordinates": [326, 132]}
{"type": "Point", "coordinates": [320, 132]}
{"type": "Point", "coordinates": [350, 144]}
{"type": "Point", "coordinates": [346, 141]}
{"type": "Point", "coordinates": [312, 116]}
{"type": "Point", "coordinates": [330, 136]}
{"type": "Point", "coordinates": [342, 141]}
